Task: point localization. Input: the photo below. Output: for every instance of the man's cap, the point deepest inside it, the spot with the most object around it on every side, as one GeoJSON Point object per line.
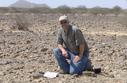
{"type": "Point", "coordinates": [64, 17]}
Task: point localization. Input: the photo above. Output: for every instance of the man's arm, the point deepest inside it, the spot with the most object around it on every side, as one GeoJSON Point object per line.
{"type": "Point", "coordinates": [64, 52]}
{"type": "Point", "coordinates": [60, 43]}
{"type": "Point", "coordinates": [81, 50]}
{"type": "Point", "coordinates": [61, 47]}
{"type": "Point", "coordinates": [80, 41]}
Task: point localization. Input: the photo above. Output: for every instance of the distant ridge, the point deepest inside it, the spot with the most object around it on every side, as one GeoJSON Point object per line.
{"type": "Point", "coordinates": [27, 4]}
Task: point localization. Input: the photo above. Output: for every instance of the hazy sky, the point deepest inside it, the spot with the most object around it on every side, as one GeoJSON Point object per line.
{"type": "Point", "coordinates": [74, 3]}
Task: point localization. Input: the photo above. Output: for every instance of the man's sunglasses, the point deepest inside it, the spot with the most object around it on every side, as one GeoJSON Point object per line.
{"type": "Point", "coordinates": [63, 22]}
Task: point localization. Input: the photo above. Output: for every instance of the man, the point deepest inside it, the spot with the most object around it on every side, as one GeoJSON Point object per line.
{"type": "Point", "coordinates": [71, 46]}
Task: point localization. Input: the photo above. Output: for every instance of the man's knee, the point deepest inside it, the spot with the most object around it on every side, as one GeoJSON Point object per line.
{"type": "Point", "coordinates": [72, 72]}
{"type": "Point", "coordinates": [75, 70]}
{"type": "Point", "coordinates": [56, 50]}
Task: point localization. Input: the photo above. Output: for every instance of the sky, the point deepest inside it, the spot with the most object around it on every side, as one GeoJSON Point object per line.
{"type": "Point", "coordinates": [73, 3]}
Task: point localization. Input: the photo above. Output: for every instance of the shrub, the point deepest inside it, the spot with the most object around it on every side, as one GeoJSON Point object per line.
{"type": "Point", "coordinates": [21, 22]}
{"type": "Point", "coordinates": [63, 9]}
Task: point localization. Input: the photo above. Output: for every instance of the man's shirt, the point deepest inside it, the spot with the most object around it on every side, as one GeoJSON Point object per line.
{"type": "Point", "coordinates": [71, 39]}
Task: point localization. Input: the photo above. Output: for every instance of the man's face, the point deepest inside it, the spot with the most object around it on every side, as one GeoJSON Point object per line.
{"type": "Point", "coordinates": [64, 23]}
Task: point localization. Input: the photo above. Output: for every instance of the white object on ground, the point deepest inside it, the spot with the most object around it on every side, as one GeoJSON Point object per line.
{"type": "Point", "coordinates": [50, 74]}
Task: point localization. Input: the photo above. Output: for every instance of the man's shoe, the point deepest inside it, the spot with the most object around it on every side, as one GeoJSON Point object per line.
{"type": "Point", "coordinates": [62, 72]}
{"type": "Point", "coordinates": [90, 68]}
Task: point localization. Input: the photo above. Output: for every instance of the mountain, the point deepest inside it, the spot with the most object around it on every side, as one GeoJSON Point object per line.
{"type": "Point", "coordinates": [26, 4]}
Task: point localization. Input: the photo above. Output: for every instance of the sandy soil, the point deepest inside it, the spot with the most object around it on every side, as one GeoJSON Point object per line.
{"type": "Point", "coordinates": [23, 53]}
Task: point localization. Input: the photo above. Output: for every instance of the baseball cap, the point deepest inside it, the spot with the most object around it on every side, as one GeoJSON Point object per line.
{"type": "Point", "coordinates": [64, 17]}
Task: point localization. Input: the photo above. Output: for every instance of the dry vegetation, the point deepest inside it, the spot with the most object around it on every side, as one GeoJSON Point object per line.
{"type": "Point", "coordinates": [27, 41]}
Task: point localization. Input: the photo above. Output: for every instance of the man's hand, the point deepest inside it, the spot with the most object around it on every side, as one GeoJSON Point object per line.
{"type": "Point", "coordinates": [64, 53]}
{"type": "Point", "coordinates": [76, 59]}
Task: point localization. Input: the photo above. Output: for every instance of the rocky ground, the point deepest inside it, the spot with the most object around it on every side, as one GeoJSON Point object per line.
{"type": "Point", "coordinates": [23, 53]}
